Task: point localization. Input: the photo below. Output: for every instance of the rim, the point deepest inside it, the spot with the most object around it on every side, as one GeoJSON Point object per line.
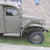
{"type": "Point", "coordinates": [37, 38]}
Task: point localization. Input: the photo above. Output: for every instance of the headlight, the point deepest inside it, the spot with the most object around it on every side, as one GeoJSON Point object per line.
{"type": "Point", "coordinates": [41, 22]}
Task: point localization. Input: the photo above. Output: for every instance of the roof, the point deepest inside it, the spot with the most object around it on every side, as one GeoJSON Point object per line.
{"type": "Point", "coordinates": [9, 4]}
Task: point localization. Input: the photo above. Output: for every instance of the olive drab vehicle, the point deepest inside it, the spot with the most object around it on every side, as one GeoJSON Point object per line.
{"type": "Point", "coordinates": [13, 23]}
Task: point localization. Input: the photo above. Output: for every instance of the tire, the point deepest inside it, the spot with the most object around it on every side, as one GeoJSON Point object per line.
{"type": "Point", "coordinates": [36, 37]}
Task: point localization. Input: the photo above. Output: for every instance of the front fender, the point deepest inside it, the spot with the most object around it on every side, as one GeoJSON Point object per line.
{"type": "Point", "coordinates": [37, 25]}
{"type": "Point", "coordinates": [34, 25]}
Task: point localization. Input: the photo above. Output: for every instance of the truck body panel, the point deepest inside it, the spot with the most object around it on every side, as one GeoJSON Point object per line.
{"type": "Point", "coordinates": [1, 20]}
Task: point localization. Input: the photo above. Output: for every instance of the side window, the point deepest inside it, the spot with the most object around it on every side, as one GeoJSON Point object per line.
{"type": "Point", "coordinates": [12, 12]}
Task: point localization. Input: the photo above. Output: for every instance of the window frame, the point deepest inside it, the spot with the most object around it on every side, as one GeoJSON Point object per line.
{"type": "Point", "coordinates": [6, 8]}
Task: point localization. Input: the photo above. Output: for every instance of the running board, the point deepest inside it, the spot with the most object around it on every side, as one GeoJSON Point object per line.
{"type": "Point", "coordinates": [11, 34]}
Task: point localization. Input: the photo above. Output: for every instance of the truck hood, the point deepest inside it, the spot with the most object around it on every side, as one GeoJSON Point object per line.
{"type": "Point", "coordinates": [27, 20]}
{"type": "Point", "coordinates": [32, 17]}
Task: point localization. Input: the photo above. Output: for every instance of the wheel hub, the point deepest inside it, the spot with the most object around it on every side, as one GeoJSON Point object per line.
{"type": "Point", "coordinates": [37, 38]}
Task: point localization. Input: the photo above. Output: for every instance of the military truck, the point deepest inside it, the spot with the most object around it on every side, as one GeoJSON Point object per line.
{"type": "Point", "coordinates": [13, 23]}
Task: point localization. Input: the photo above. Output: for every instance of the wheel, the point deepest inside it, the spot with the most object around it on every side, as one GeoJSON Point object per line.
{"type": "Point", "coordinates": [36, 37]}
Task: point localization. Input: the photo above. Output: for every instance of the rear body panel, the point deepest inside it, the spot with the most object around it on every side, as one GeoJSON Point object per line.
{"type": "Point", "coordinates": [1, 20]}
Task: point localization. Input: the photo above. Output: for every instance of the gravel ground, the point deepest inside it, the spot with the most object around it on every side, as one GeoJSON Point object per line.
{"type": "Point", "coordinates": [19, 47]}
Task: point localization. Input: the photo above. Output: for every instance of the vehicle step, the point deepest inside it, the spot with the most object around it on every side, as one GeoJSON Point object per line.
{"type": "Point", "coordinates": [11, 34]}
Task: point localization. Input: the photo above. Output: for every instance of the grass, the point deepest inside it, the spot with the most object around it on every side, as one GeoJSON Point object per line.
{"type": "Point", "coordinates": [24, 41]}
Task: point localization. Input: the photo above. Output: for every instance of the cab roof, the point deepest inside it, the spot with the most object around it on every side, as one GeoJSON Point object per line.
{"type": "Point", "coordinates": [9, 4]}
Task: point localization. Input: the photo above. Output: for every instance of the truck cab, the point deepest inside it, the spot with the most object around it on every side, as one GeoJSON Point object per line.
{"type": "Point", "coordinates": [10, 19]}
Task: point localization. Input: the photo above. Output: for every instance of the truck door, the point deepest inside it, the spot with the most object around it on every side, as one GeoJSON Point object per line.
{"type": "Point", "coordinates": [12, 20]}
